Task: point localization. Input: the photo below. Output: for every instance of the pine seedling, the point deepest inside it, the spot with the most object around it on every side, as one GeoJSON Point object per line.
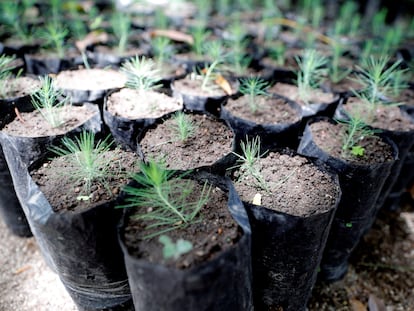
{"type": "Point", "coordinates": [248, 162]}
{"type": "Point", "coordinates": [312, 71]}
{"type": "Point", "coordinates": [165, 198]}
{"type": "Point", "coordinates": [237, 57]}
{"type": "Point", "coordinates": [142, 74]}
{"type": "Point", "coordinates": [183, 127]}
{"type": "Point", "coordinates": [336, 73]}
{"type": "Point", "coordinates": [6, 72]}
{"type": "Point", "coordinates": [90, 163]}
{"type": "Point", "coordinates": [277, 52]}
{"type": "Point", "coordinates": [54, 35]}
{"type": "Point", "coordinates": [12, 16]}
{"type": "Point", "coordinates": [255, 89]}
{"type": "Point", "coordinates": [378, 79]}
{"type": "Point", "coordinates": [200, 35]}
{"type": "Point", "coordinates": [355, 130]}
{"type": "Point", "coordinates": [162, 50]}
{"type": "Point", "coordinates": [121, 26]}
{"type": "Point", "coordinates": [49, 101]}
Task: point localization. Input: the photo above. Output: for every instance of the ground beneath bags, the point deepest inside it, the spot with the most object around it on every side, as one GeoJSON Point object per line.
{"type": "Point", "coordinates": [382, 268]}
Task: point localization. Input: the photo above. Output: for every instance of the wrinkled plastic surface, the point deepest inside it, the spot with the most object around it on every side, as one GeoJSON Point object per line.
{"type": "Point", "coordinates": [404, 141]}
{"type": "Point", "coordinates": [286, 252]}
{"type": "Point", "coordinates": [361, 186]}
{"type": "Point", "coordinates": [44, 66]}
{"type": "Point", "coordinates": [81, 247]}
{"type": "Point", "coordinates": [223, 283]}
{"type": "Point", "coordinates": [271, 135]}
{"type": "Point", "coordinates": [10, 209]}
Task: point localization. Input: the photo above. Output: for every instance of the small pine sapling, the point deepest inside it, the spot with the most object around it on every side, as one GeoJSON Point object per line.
{"type": "Point", "coordinates": [50, 102]}
{"type": "Point", "coordinates": [312, 71]}
{"type": "Point", "coordinates": [183, 127]}
{"type": "Point", "coordinates": [142, 73]}
{"type": "Point", "coordinates": [166, 199]}
{"type": "Point", "coordinates": [90, 163]}
{"type": "Point", "coordinates": [255, 89]}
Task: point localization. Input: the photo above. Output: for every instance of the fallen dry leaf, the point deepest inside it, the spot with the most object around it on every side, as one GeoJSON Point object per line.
{"type": "Point", "coordinates": [224, 84]}
{"type": "Point", "coordinates": [173, 35]}
{"type": "Point", "coordinates": [91, 38]}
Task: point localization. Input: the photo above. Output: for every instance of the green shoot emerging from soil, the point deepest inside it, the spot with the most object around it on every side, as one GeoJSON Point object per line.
{"type": "Point", "coordinates": [90, 163]}
{"type": "Point", "coordinates": [247, 162]}
{"type": "Point", "coordinates": [121, 26]}
{"type": "Point", "coordinates": [142, 74]}
{"type": "Point", "coordinates": [165, 198]}
{"type": "Point", "coordinates": [378, 80]}
{"type": "Point", "coordinates": [6, 72]}
{"type": "Point", "coordinates": [49, 101]}
{"type": "Point", "coordinates": [255, 89]}
{"type": "Point", "coordinates": [174, 250]}
{"type": "Point", "coordinates": [355, 130]}
{"type": "Point", "coordinates": [312, 71]}
{"type": "Point", "coordinates": [183, 126]}
{"type": "Point", "coordinates": [54, 36]}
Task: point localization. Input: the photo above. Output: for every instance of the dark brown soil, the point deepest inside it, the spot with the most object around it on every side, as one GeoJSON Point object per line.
{"type": "Point", "coordinates": [19, 87]}
{"type": "Point", "coordinates": [385, 117]}
{"type": "Point", "coordinates": [213, 232]}
{"type": "Point", "coordinates": [90, 79]}
{"type": "Point", "coordinates": [269, 110]}
{"type": "Point", "coordinates": [55, 181]}
{"type": "Point", "coordinates": [345, 85]}
{"type": "Point", "coordinates": [32, 124]}
{"type": "Point", "coordinates": [329, 138]}
{"type": "Point", "coordinates": [133, 104]}
{"type": "Point", "coordinates": [297, 187]}
{"type": "Point", "coordinates": [291, 91]}
{"type": "Point", "coordinates": [211, 141]}
{"type": "Point", "coordinates": [406, 97]}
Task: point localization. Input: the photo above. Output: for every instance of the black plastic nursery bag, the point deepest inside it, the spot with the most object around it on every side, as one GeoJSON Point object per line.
{"type": "Point", "coordinates": [82, 247]}
{"type": "Point", "coordinates": [223, 283]}
{"type": "Point", "coordinates": [361, 186]}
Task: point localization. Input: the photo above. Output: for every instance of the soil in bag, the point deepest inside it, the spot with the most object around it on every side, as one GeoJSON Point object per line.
{"type": "Point", "coordinates": [214, 275]}
{"type": "Point", "coordinates": [361, 180]}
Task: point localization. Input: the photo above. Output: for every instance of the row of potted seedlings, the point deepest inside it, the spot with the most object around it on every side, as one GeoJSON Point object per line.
{"type": "Point", "coordinates": [196, 238]}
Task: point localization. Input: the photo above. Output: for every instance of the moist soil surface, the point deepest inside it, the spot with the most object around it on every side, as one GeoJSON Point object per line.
{"type": "Point", "coordinates": [269, 110]}
{"type": "Point", "coordinates": [133, 104]}
{"type": "Point", "coordinates": [213, 232]}
{"type": "Point", "coordinates": [57, 180]}
{"type": "Point", "coordinates": [291, 91]}
{"type": "Point", "coordinates": [19, 87]}
{"type": "Point", "coordinates": [32, 124]}
{"type": "Point", "coordinates": [328, 137]}
{"type": "Point", "coordinates": [385, 117]}
{"type": "Point", "coordinates": [211, 141]}
{"type": "Point", "coordinates": [297, 187]}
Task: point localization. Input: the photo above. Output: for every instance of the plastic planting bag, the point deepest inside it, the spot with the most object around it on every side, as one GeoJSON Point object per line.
{"type": "Point", "coordinates": [81, 247]}
{"type": "Point", "coordinates": [10, 209]}
{"type": "Point", "coordinates": [222, 283]}
{"type": "Point", "coordinates": [361, 186]}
